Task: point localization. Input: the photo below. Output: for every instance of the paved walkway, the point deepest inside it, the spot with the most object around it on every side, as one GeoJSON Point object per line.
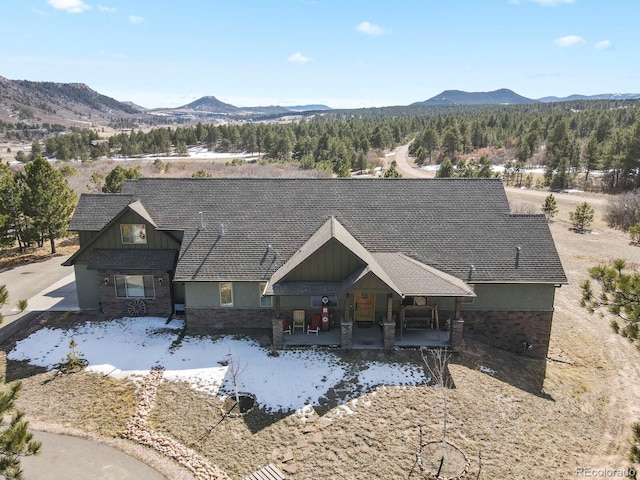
{"type": "Point", "coordinates": [70, 458]}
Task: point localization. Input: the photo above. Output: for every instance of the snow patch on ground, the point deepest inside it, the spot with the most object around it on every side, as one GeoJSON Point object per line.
{"type": "Point", "coordinates": [130, 347]}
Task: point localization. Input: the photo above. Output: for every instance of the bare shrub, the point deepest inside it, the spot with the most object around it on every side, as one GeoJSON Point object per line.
{"type": "Point", "coordinates": [623, 211]}
{"type": "Point", "coordinates": [521, 208]}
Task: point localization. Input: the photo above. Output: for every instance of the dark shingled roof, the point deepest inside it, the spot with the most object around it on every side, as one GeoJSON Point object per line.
{"type": "Point", "coordinates": [447, 224]}
{"type": "Point", "coordinates": [95, 211]}
{"type": "Point", "coordinates": [138, 259]}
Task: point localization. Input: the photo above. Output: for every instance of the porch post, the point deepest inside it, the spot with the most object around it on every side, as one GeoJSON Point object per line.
{"type": "Point", "coordinates": [389, 326]}
{"type": "Point", "coordinates": [458, 304]}
{"type": "Point", "coordinates": [278, 334]}
{"type": "Point", "coordinates": [277, 306]}
{"type": "Point", "coordinates": [457, 335]}
{"type": "Point", "coordinates": [346, 333]}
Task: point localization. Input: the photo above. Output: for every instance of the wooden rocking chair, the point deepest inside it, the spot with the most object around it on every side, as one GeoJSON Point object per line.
{"type": "Point", "coordinates": [298, 320]}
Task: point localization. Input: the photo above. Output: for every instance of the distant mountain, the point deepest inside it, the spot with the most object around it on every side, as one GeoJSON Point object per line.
{"type": "Point", "coordinates": [457, 97]}
{"type": "Point", "coordinates": [65, 103]}
{"type": "Point", "coordinates": [603, 96]}
{"type": "Point", "coordinates": [307, 108]}
{"type": "Point", "coordinates": [135, 106]}
{"type": "Point", "coordinates": [209, 104]}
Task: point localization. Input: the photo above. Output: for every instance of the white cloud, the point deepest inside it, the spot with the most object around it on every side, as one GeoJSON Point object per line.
{"type": "Point", "coordinates": [102, 8]}
{"type": "Point", "coordinates": [570, 41]}
{"type": "Point", "coordinates": [135, 19]}
{"type": "Point", "coordinates": [369, 28]}
{"type": "Point", "coordinates": [70, 6]}
{"type": "Point", "coordinates": [603, 45]}
{"type": "Point", "coordinates": [298, 58]}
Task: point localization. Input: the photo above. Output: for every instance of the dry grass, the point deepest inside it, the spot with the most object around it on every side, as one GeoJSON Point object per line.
{"type": "Point", "coordinates": [10, 257]}
{"type": "Point", "coordinates": [533, 420]}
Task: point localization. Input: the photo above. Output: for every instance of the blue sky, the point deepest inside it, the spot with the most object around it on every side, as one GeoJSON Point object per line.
{"type": "Point", "coordinates": [342, 53]}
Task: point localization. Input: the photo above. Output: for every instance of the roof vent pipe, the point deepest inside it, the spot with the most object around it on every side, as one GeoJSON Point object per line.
{"type": "Point", "coordinates": [221, 231]}
{"type": "Point", "coordinates": [472, 269]}
{"type": "Point", "coordinates": [518, 250]}
{"type": "Point", "coordinates": [201, 223]}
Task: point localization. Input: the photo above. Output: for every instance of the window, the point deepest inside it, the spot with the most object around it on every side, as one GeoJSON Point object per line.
{"type": "Point", "coordinates": [134, 286]}
{"type": "Point", "coordinates": [226, 294]}
{"type": "Point", "coordinates": [264, 300]}
{"type": "Point", "coordinates": [133, 233]}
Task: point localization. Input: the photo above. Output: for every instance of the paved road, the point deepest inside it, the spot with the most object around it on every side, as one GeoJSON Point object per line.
{"type": "Point", "coordinates": [70, 458]}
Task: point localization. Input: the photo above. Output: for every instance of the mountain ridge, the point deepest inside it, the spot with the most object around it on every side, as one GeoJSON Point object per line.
{"type": "Point", "coordinates": [502, 96]}
{"type": "Point", "coordinates": [78, 104]}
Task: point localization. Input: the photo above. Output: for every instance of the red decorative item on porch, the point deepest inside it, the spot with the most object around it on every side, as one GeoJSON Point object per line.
{"type": "Point", "coordinates": [325, 318]}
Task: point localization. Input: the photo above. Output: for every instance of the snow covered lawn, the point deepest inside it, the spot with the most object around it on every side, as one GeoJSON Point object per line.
{"type": "Point", "coordinates": [130, 347]}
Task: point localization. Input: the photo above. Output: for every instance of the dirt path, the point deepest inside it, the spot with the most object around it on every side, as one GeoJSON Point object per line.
{"type": "Point", "coordinates": [407, 166]}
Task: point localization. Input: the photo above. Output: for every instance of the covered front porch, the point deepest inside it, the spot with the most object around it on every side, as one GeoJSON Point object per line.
{"type": "Point", "coordinates": [369, 338]}
{"type": "Point", "coordinates": [363, 299]}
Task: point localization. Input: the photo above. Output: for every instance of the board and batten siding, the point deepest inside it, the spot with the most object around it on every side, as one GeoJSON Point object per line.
{"type": "Point", "coordinates": [111, 238]}
{"type": "Point", "coordinates": [519, 297]}
{"type": "Point", "coordinates": [207, 294]}
{"type": "Point", "coordinates": [332, 262]}
{"type": "Point", "coordinates": [89, 294]}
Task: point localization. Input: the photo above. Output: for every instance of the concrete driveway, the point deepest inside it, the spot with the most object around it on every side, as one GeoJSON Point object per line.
{"type": "Point", "coordinates": [70, 458]}
{"type": "Point", "coordinates": [46, 285]}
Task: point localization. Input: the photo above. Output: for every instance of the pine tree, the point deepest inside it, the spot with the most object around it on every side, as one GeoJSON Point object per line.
{"type": "Point", "coordinates": [114, 181]}
{"type": "Point", "coordinates": [619, 294]}
{"type": "Point", "coordinates": [446, 169]}
{"type": "Point", "coordinates": [392, 172]}
{"type": "Point", "coordinates": [15, 439]}
{"type": "Point", "coordinates": [582, 217]}
{"type": "Point", "coordinates": [4, 298]}
{"type": "Point", "coordinates": [47, 199]}
{"type": "Point", "coordinates": [550, 207]}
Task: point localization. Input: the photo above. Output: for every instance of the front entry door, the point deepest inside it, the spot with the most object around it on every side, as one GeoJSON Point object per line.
{"type": "Point", "coordinates": [365, 307]}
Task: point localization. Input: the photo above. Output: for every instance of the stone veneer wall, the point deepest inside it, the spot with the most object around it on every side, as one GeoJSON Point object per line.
{"type": "Point", "coordinates": [161, 305]}
{"type": "Point", "coordinates": [207, 320]}
{"type": "Point", "coordinates": [518, 331]}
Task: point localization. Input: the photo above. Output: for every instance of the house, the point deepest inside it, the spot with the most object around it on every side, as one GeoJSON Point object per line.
{"type": "Point", "coordinates": [403, 255]}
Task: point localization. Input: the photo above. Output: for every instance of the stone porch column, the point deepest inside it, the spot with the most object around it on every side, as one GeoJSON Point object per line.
{"type": "Point", "coordinates": [278, 335]}
{"type": "Point", "coordinates": [346, 334]}
{"type": "Point", "coordinates": [457, 335]}
{"type": "Point", "coordinates": [388, 334]}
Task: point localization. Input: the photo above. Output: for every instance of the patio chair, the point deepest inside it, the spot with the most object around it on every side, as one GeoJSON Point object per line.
{"type": "Point", "coordinates": [316, 321]}
{"type": "Point", "coordinates": [286, 326]}
{"type": "Point", "coordinates": [298, 320]}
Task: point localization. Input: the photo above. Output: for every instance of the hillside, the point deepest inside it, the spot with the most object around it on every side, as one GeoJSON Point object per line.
{"type": "Point", "coordinates": [503, 96]}
{"type": "Point", "coordinates": [63, 103]}
{"type": "Point", "coordinates": [209, 104]}
{"type": "Point", "coordinates": [603, 96]}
